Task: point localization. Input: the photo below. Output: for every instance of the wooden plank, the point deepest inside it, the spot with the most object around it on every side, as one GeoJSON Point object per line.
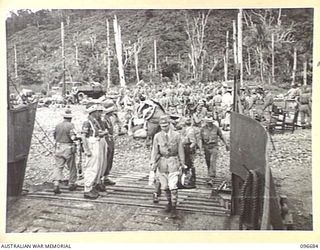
{"type": "Point", "coordinates": [151, 205]}
{"type": "Point", "coordinates": [140, 199]}
{"type": "Point", "coordinates": [147, 195]}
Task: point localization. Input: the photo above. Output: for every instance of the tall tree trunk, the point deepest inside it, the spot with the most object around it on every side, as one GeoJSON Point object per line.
{"type": "Point", "coordinates": [240, 45]}
{"type": "Point", "coordinates": [15, 62]}
{"type": "Point", "coordinates": [201, 68]}
{"type": "Point", "coordinates": [108, 56]}
{"type": "Point", "coordinates": [261, 65]}
{"type": "Point", "coordinates": [249, 62]}
{"type": "Point", "coordinates": [77, 54]}
{"type": "Point", "coordinates": [305, 73]}
{"type": "Point", "coordinates": [226, 57]}
{"type": "Point", "coordinates": [155, 56]}
{"type": "Point", "coordinates": [63, 62]}
{"type": "Point", "coordinates": [117, 38]}
{"type": "Point", "coordinates": [235, 53]}
{"type": "Point", "coordinates": [136, 61]}
{"type": "Point", "coordinates": [272, 54]}
{"type": "Point", "coordinates": [294, 66]}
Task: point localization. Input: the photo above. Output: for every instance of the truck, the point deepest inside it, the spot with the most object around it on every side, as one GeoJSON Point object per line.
{"type": "Point", "coordinates": [92, 89]}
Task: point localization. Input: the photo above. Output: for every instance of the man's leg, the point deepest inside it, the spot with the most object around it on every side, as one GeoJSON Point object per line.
{"type": "Point", "coordinates": [92, 169]}
{"type": "Point", "coordinates": [212, 165]}
{"type": "Point", "coordinates": [110, 156]}
{"type": "Point", "coordinates": [71, 165]}
{"type": "Point", "coordinates": [165, 187]}
{"type": "Point", "coordinates": [173, 186]}
{"type": "Point", "coordinates": [157, 191]}
{"type": "Point", "coordinates": [169, 204]}
{"type": "Point", "coordinates": [57, 173]}
{"type": "Point", "coordinates": [207, 155]}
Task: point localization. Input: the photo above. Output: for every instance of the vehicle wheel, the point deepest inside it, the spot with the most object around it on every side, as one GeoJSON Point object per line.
{"type": "Point", "coordinates": [69, 100]}
{"type": "Point", "coordinates": [80, 96]}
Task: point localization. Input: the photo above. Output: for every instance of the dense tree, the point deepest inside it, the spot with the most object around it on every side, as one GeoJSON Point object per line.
{"type": "Point", "coordinates": [38, 44]}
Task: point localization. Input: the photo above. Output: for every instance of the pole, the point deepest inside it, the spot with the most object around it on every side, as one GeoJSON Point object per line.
{"type": "Point", "coordinates": [305, 73]}
{"type": "Point", "coordinates": [272, 45]}
{"type": "Point", "coordinates": [226, 57]}
{"type": "Point", "coordinates": [155, 56]}
{"type": "Point", "coordinates": [117, 38]}
{"type": "Point", "coordinates": [294, 66]}
{"type": "Point", "coordinates": [63, 62]}
{"type": "Point", "coordinates": [108, 55]}
{"type": "Point", "coordinates": [240, 46]}
{"type": "Point", "coordinates": [15, 62]}
{"type": "Point", "coordinates": [235, 53]}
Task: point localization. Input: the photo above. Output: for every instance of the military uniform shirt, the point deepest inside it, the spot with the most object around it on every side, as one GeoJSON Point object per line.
{"type": "Point", "coordinates": [209, 136]}
{"type": "Point", "coordinates": [63, 132]}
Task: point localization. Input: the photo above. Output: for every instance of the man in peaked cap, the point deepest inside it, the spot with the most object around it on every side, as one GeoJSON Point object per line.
{"type": "Point", "coordinates": [209, 143]}
{"type": "Point", "coordinates": [93, 133]}
{"type": "Point", "coordinates": [64, 135]}
{"type": "Point", "coordinates": [167, 157]}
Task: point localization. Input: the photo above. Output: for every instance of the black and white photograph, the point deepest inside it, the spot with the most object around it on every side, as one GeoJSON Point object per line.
{"type": "Point", "coordinates": [161, 120]}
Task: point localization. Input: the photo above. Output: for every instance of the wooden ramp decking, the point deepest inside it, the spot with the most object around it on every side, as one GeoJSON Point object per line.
{"type": "Point", "coordinates": [128, 205]}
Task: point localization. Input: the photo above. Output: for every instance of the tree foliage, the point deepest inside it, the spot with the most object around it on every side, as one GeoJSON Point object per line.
{"type": "Point", "coordinates": [38, 42]}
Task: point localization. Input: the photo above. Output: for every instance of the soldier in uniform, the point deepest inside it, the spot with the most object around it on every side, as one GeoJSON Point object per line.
{"type": "Point", "coordinates": [209, 143]}
{"type": "Point", "coordinates": [304, 104]}
{"type": "Point", "coordinates": [189, 142]}
{"type": "Point", "coordinates": [167, 157]}
{"type": "Point", "coordinates": [197, 117]}
{"type": "Point", "coordinates": [109, 137]}
{"type": "Point", "coordinates": [95, 148]}
{"type": "Point", "coordinates": [217, 109]}
{"type": "Point", "coordinates": [64, 135]}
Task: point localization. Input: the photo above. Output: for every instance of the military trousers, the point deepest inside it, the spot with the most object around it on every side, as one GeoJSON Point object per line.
{"type": "Point", "coordinates": [65, 157]}
{"type": "Point", "coordinates": [110, 155]}
{"type": "Point", "coordinates": [95, 164]}
{"type": "Point", "coordinates": [211, 154]}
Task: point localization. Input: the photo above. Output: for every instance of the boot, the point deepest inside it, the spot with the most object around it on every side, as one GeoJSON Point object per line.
{"type": "Point", "coordinates": [173, 213]}
{"type": "Point", "coordinates": [56, 189]}
{"type": "Point", "coordinates": [72, 187]}
{"type": "Point", "coordinates": [155, 198]}
{"type": "Point", "coordinates": [91, 195]}
{"type": "Point", "coordinates": [100, 187]}
{"type": "Point", "coordinates": [168, 207]}
{"type": "Point", "coordinates": [108, 182]}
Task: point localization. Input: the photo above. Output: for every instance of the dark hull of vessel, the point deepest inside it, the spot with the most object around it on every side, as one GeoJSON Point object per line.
{"type": "Point", "coordinates": [20, 129]}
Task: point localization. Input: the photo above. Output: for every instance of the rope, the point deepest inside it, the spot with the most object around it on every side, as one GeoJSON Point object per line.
{"type": "Point", "coordinates": [44, 132]}
{"type": "Point", "coordinates": [42, 144]}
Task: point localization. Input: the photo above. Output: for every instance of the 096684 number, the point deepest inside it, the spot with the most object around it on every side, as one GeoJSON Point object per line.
{"type": "Point", "coordinates": [308, 245]}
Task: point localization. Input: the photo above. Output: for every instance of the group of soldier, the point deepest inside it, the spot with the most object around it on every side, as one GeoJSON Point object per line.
{"type": "Point", "coordinates": [203, 111]}
{"type": "Point", "coordinates": [98, 147]}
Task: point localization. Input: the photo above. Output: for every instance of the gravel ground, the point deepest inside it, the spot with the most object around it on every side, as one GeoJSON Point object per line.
{"type": "Point", "coordinates": [290, 162]}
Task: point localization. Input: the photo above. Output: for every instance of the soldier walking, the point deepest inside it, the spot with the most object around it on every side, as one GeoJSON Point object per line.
{"type": "Point", "coordinates": [167, 157]}
{"type": "Point", "coordinates": [209, 143]}
{"type": "Point", "coordinates": [64, 135]}
{"type": "Point", "coordinates": [189, 142]}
